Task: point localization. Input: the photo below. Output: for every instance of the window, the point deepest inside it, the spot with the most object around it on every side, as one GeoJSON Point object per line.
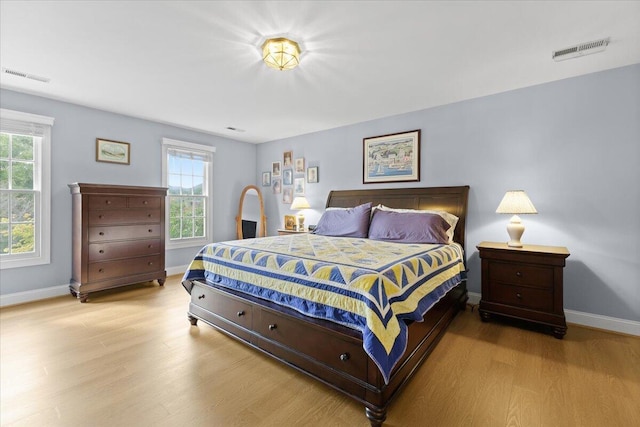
{"type": "Point", "coordinates": [186, 171]}
{"type": "Point", "coordinates": [25, 189]}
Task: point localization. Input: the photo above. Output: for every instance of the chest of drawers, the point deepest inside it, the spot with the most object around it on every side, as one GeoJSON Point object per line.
{"type": "Point", "coordinates": [524, 283]}
{"type": "Point", "coordinates": [118, 236]}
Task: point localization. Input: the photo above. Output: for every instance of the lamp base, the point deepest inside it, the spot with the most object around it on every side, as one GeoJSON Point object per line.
{"type": "Point", "coordinates": [515, 230]}
{"type": "Point", "coordinates": [300, 224]}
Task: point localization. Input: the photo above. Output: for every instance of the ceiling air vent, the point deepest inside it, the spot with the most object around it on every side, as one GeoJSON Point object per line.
{"type": "Point", "coordinates": [581, 49]}
{"type": "Point", "coordinates": [25, 75]}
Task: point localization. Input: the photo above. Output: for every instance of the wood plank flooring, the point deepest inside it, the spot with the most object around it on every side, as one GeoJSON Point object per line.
{"type": "Point", "coordinates": [129, 357]}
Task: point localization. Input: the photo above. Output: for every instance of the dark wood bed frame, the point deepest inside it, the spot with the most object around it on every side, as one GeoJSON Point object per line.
{"type": "Point", "coordinates": [328, 352]}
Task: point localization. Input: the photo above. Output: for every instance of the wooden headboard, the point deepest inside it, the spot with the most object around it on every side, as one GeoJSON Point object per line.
{"type": "Point", "coordinates": [450, 199]}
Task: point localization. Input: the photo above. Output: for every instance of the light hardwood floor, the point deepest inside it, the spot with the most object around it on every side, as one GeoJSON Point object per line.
{"type": "Point", "coordinates": [129, 357]}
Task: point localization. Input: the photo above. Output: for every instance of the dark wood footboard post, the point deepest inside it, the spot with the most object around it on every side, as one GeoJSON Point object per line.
{"type": "Point", "coordinates": [376, 416]}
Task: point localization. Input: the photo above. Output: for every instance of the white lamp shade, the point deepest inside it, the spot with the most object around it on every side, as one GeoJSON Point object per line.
{"type": "Point", "coordinates": [300, 203]}
{"type": "Point", "coordinates": [516, 202]}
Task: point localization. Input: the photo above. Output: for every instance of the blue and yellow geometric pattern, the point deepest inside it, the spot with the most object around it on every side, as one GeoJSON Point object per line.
{"type": "Point", "coordinates": [368, 285]}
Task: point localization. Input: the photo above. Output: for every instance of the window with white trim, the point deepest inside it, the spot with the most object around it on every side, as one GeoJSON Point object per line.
{"type": "Point", "coordinates": [25, 189]}
{"type": "Point", "coordinates": [187, 171]}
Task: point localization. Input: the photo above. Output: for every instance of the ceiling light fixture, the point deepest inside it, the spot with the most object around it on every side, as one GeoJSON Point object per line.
{"type": "Point", "coordinates": [281, 53]}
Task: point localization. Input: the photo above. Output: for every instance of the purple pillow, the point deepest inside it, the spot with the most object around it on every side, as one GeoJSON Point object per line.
{"type": "Point", "coordinates": [351, 222]}
{"type": "Point", "coordinates": [408, 227]}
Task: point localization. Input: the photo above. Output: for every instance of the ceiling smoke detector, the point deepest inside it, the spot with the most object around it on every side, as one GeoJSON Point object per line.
{"type": "Point", "coordinates": [581, 49]}
{"type": "Point", "coordinates": [25, 75]}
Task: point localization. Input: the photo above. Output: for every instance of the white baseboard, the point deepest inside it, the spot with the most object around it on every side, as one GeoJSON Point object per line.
{"type": "Point", "coordinates": [596, 321]}
{"type": "Point", "coordinates": [56, 291]}
{"type": "Point", "coordinates": [34, 295]}
{"type": "Point", "coordinates": [172, 271]}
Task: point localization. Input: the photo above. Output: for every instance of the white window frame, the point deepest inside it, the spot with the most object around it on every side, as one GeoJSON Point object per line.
{"type": "Point", "coordinates": [42, 188]}
{"type": "Point", "coordinates": [168, 144]}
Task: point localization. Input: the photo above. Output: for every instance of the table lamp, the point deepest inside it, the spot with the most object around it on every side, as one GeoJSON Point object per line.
{"type": "Point", "coordinates": [516, 202]}
{"type": "Point", "coordinates": [300, 203]}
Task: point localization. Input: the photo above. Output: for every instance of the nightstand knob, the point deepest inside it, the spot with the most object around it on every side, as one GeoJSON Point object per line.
{"type": "Point", "coordinates": [519, 295]}
{"type": "Point", "coordinates": [240, 313]}
{"type": "Point", "coordinates": [344, 357]}
{"type": "Point", "coordinates": [518, 274]}
{"type": "Point", "coordinates": [272, 326]}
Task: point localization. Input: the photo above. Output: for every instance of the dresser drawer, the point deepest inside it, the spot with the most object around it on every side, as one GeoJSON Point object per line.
{"type": "Point", "coordinates": [124, 216]}
{"type": "Point", "coordinates": [126, 249]}
{"type": "Point", "coordinates": [144, 202]}
{"type": "Point", "coordinates": [521, 274]}
{"type": "Point", "coordinates": [535, 299]}
{"type": "Point", "coordinates": [109, 269]}
{"type": "Point", "coordinates": [107, 202]}
{"type": "Point", "coordinates": [345, 355]}
{"type": "Point", "coordinates": [122, 232]}
{"type": "Point", "coordinates": [232, 309]}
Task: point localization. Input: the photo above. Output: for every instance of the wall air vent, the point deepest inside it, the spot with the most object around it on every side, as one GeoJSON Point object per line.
{"type": "Point", "coordinates": [25, 75]}
{"type": "Point", "coordinates": [581, 50]}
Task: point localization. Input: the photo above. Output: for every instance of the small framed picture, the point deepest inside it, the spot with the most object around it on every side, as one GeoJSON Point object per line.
{"type": "Point", "coordinates": [289, 222]}
{"type": "Point", "coordinates": [287, 195]}
{"type": "Point", "coordinates": [300, 165]}
{"type": "Point", "coordinates": [287, 177]}
{"type": "Point", "coordinates": [298, 187]}
{"type": "Point", "coordinates": [312, 175]}
{"type": "Point", "coordinates": [112, 151]}
{"type": "Point", "coordinates": [276, 169]}
{"type": "Point", "coordinates": [266, 179]}
{"type": "Point", "coordinates": [287, 158]}
{"type": "Point", "coordinates": [276, 185]}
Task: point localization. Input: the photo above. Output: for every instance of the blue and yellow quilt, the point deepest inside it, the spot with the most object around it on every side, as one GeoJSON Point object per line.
{"type": "Point", "coordinates": [368, 285]}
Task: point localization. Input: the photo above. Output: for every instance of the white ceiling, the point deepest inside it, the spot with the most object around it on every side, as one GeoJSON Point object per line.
{"type": "Point", "coordinates": [197, 64]}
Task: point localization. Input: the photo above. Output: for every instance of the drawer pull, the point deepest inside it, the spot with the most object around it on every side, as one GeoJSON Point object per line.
{"type": "Point", "coordinates": [101, 233]}
{"type": "Point", "coordinates": [519, 295]}
{"type": "Point", "coordinates": [101, 251]}
{"type": "Point", "coordinates": [150, 263]}
{"type": "Point", "coordinates": [272, 326]}
{"type": "Point", "coordinates": [149, 215]}
{"type": "Point", "coordinates": [108, 202]}
{"type": "Point", "coordinates": [240, 313]}
{"type": "Point", "coordinates": [100, 216]}
{"type": "Point", "coordinates": [344, 357]}
{"type": "Point", "coordinates": [518, 274]}
{"type": "Point", "coordinates": [150, 231]}
{"type": "Point", "coordinates": [201, 296]}
{"type": "Point", "coordinates": [145, 202]}
{"type": "Point", "coordinates": [150, 246]}
{"type": "Point", "coordinates": [101, 270]}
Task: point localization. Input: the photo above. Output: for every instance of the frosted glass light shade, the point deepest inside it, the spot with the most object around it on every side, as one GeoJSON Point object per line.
{"type": "Point", "coordinates": [281, 53]}
{"type": "Point", "coordinates": [516, 202]}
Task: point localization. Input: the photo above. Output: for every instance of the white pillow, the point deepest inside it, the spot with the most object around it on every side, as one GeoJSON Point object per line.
{"type": "Point", "coordinates": [451, 219]}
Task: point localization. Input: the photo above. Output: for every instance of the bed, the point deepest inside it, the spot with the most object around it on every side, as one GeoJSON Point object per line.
{"type": "Point", "coordinates": [354, 334]}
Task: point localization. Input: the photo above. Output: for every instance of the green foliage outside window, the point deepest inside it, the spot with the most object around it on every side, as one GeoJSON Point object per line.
{"type": "Point", "coordinates": [186, 195]}
{"type": "Point", "coordinates": [17, 194]}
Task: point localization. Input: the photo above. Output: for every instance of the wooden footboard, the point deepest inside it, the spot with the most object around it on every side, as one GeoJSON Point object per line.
{"type": "Point", "coordinates": [328, 352]}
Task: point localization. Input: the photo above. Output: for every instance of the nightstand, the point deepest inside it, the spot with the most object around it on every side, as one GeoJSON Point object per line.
{"type": "Point", "coordinates": [283, 232]}
{"type": "Point", "coordinates": [524, 283]}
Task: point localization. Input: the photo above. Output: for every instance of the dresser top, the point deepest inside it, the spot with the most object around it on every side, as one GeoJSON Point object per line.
{"type": "Point", "coordinates": [555, 250]}
{"type": "Point", "coordinates": [78, 187]}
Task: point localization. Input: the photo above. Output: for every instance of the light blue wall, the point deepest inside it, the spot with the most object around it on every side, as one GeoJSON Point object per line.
{"type": "Point", "coordinates": [73, 160]}
{"type": "Point", "coordinates": [573, 145]}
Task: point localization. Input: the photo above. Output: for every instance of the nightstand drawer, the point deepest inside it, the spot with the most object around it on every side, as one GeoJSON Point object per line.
{"type": "Point", "coordinates": [521, 275]}
{"type": "Point", "coordinates": [535, 299]}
